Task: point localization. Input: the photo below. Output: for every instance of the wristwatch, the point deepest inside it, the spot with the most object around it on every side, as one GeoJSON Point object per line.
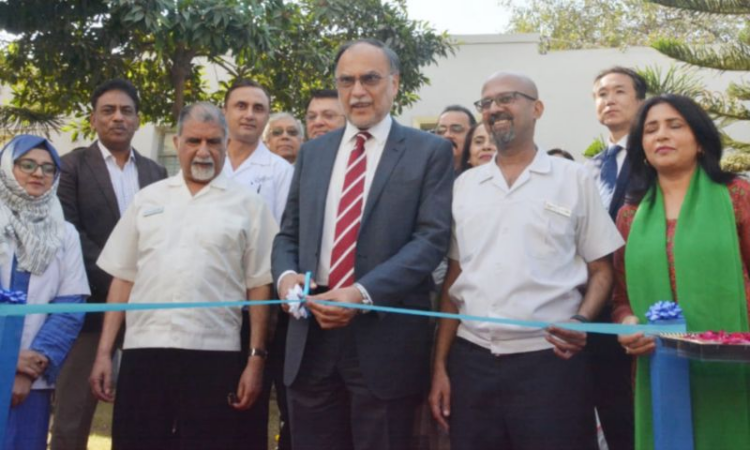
{"type": "Point", "coordinates": [258, 352]}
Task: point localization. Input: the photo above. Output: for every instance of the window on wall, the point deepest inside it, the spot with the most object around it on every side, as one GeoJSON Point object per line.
{"type": "Point", "coordinates": [425, 123]}
{"type": "Point", "coordinates": [167, 152]}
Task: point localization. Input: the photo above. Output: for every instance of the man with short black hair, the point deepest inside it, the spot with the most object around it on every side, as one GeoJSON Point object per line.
{"type": "Point", "coordinates": [324, 113]}
{"type": "Point", "coordinates": [195, 237]}
{"type": "Point", "coordinates": [97, 184]}
{"type": "Point", "coordinates": [247, 107]}
{"type": "Point", "coordinates": [618, 93]}
{"type": "Point", "coordinates": [454, 124]}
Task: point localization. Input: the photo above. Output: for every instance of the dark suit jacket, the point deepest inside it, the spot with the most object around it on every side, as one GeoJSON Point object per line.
{"type": "Point", "coordinates": [89, 203]}
{"type": "Point", "coordinates": [404, 234]}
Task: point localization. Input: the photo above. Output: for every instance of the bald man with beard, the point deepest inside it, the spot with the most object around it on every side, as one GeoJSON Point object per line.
{"type": "Point", "coordinates": [540, 235]}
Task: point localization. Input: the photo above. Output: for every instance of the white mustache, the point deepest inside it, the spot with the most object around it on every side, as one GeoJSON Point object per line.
{"type": "Point", "coordinates": [197, 161]}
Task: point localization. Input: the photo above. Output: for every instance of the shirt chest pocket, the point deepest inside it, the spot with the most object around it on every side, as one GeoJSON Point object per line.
{"type": "Point", "coordinates": [555, 231]}
{"type": "Point", "coordinates": [221, 234]}
{"type": "Point", "coordinates": [152, 228]}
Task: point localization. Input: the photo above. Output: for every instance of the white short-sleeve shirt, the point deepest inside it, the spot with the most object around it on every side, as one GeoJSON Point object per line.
{"type": "Point", "coordinates": [178, 248]}
{"type": "Point", "coordinates": [267, 174]}
{"type": "Point", "coordinates": [523, 250]}
{"type": "Point", "coordinates": [65, 276]}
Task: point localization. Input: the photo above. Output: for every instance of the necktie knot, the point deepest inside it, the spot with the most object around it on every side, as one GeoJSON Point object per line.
{"type": "Point", "coordinates": [613, 150]}
{"type": "Point", "coordinates": [362, 137]}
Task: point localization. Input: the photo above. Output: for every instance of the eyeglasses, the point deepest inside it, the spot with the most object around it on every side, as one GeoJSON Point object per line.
{"type": "Point", "coordinates": [29, 166]}
{"type": "Point", "coordinates": [503, 99]}
{"type": "Point", "coordinates": [455, 129]}
{"type": "Point", "coordinates": [368, 79]}
{"type": "Point", "coordinates": [277, 132]}
{"type": "Point", "coordinates": [325, 115]}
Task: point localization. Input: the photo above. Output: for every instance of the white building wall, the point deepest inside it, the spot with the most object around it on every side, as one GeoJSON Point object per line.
{"type": "Point", "coordinates": [564, 79]}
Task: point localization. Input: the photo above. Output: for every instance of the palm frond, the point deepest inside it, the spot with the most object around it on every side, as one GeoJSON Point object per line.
{"type": "Point", "coordinates": [732, 57]}
{"type": "Point", "coordinates": [17, 120]}
{"type": "Point", "coordinates": [708, 6]}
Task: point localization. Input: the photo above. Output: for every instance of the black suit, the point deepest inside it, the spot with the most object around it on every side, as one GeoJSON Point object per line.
{"type": "Point", "coordinates": [89, 203]}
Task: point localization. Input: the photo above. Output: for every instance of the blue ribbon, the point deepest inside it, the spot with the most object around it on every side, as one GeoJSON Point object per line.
{"type": "Point", "coordinates": [601, 328]}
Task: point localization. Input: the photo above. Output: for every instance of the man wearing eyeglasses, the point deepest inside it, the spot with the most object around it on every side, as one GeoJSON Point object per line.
{"type": "Point", "coordinates": [528, 231]}
{"type": "Point", "coordinates": [283, 135]}
{"type": "Point", "coordinates": [324, 113]}
{"type": "Point", "coordinates": [249, 162]}
{"type": "Point", "coordinates": [454, 124]}
{"type": "Point", "coordinates": [369, 216]}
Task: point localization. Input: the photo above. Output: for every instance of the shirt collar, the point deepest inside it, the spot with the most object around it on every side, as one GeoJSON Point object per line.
{"type": "Point", "coordinates": [220, 182]}
{"type": "Point", "coordinates": [107, 155]}
{"type": "Point", "coordinates": [379, 131]}
{"type": "Point", "coordinates": [540, 164]}
{"type": "Point", "coordinates": [261, 156]}
{"type": "Point", "coordinates": [622, 142]}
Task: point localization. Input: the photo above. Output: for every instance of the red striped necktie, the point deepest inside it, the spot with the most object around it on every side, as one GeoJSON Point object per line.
{"type": "Point", "coordinates": [349, 217]}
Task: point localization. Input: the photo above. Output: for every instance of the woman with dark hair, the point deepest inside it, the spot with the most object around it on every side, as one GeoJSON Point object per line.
{"type": "Point", "coordinates": [687, 227]}
{"type": "Point", "coordinates": [40, 256]}
{"type": "Point", "coordinates": [479, 148]}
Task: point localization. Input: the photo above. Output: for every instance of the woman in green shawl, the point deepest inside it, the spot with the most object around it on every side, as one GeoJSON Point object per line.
{"type": "Point", "coordinates": [687, 226]}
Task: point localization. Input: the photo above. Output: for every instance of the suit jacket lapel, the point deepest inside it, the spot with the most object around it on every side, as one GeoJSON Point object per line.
{"type": "Point", "coordinates": [392, 153]}
{"type": "Point", "coordinates": [98, 168]}
{"type": "Point", "coordinates": [321, 159]}
{"type": "Point", "coordinates": [145, 176]}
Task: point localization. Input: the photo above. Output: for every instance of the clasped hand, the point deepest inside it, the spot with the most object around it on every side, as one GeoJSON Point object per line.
{"type": "Point", "coordinates": [328, 316]}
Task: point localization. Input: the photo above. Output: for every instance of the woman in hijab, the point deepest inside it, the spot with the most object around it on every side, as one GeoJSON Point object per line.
{"type": "Point", "coordinates": [40, 255]}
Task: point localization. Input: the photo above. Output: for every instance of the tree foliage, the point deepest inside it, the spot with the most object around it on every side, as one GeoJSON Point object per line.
{"type": "Point", "coordinates": [579, 24]}
{"type": "Point", "coordinates": [731, 55]}
{"type": "Point", "coordinates": [59, 51]}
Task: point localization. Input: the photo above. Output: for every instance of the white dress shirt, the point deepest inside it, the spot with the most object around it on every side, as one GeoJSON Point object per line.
{"type": "Point", "coordinates": [176, 247]}
{"type": "Point", "coordinates": [266, 174]}
{"type": "Point", "coordinates": [374, 150]}
{"type": "Point", "coordinates": [523, 250]}
{"type": "Point", "coordinates": [124, 180]}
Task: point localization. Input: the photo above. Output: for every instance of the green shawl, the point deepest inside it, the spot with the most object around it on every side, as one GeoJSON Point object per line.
{"type": "Point", "coordinates": [710, 290]}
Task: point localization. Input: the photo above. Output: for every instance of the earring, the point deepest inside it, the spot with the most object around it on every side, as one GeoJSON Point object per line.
{"type": "Point", "coordinates": [645, 162]}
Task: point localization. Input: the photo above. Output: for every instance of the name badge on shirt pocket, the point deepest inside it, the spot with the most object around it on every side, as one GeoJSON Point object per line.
{"type": "Point", "coordinates": [153, 211]}
{"type": "Point", "coordinates": [563, 211]}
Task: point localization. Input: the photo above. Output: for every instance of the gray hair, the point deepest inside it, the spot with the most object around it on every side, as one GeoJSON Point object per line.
{"type": "Point", "coordinates": [203, 112]}
{"type": "Point", "coordinates": [282, 115]}
{"type": "Point", "coordinates": [393, 60]}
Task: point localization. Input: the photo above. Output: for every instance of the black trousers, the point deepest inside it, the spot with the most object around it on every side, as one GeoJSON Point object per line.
{"type": "Point", "coordinates": [177, 400]}
{"type": "Point", "coordinates": [524, 401]}
{"type": "Point", "coordinates": [256, 418]}
{"type": "Point", "coordinates": [612, 373]}
{"type": "Point", "coordinates": [331, 407]}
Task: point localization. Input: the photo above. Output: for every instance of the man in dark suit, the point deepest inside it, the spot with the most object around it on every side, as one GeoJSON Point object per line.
{"type": "Point", "coordinates": [96, 185]}
{"type": "Point", "coordinates": [618, 94]}
{"type": "Point", "coordinates": [369, 214]}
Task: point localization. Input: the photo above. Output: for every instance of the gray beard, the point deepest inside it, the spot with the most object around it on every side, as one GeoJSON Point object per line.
{"type": "Point", "coordinates": [199, 174]}
{"type": "Point", "coordinates": [503, 139]}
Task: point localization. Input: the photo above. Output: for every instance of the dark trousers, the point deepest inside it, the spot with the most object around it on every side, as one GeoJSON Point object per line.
{"type": "Point", "coordinates": [257, 417]}
{"type": "Point", "coordinates": [177, 399]}
{"type": "Point", "coordinates": [612, 371]}
{"type": "Point", "coordinates": [331, 407]}
{"type": "Point", "coordinates": [523, 401]}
